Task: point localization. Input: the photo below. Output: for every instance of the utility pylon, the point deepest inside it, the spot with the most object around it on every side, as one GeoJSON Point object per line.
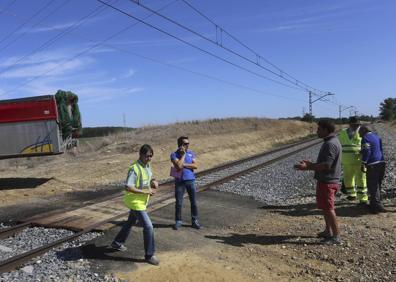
{"type": "Point", "coordinates": [311, 102]}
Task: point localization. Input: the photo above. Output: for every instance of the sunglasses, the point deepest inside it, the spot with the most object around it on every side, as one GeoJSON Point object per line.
{"type": "Point", "coordinates": [148, 156]}
{"type": "Point", "coordinates": [186, 143]}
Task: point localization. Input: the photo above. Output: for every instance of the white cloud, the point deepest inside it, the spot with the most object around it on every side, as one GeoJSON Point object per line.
{"type": "Point", "coordinates": [60, 26]}
{"type": "Point", "coordinates": [54, 68]}
{"type": "Point", "coordinates": [92, 95]}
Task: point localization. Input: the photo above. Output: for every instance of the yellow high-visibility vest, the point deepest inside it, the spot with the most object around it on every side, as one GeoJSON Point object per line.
{"type": "Point", "coordinates": [134, 201]}
{"type": "Point", "coordinates": [351, 147]}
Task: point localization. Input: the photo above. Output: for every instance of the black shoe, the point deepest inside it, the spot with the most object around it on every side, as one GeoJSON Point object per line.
{"type": "Point", "coordinates": [377, 210]}
{"type": "Point", "coordinates": [351, 198]}
{"type": "Point", "coordinates": [196, 225]}
{"type": "Point", "coordinates": [333, 240]}
{"type": "Point", "coordinates": [381, 209]}
{"type": "Point", "coordinates": [324, 234]}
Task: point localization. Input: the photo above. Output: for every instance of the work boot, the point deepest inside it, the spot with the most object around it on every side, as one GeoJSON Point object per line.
{"type": "Point", "coordinates": [351, 198]}
{"type": "Point", "coordinates": [152, 260]}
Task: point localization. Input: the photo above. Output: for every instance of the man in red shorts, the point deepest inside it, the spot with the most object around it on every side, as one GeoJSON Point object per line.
{"type": "Point", "coordinates": [327, 173]}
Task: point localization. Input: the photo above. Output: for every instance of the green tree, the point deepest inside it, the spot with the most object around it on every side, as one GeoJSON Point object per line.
{"type": "Point", "coordinates": [308, 117]}
{"type": "Point", "coordinates": [387, 109]}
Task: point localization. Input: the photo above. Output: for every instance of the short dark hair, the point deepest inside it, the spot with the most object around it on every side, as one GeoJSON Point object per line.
{"type": "Point", "coordinates": [364, 128]}
{"type": "Point", "coordinates": [145, 149]}
{"type": "Point", "coordinates": [354, 120]}
{"type": "Point", "coordinates": [327, 125]}
{"type": "Point", "coordinates": [180, 140]}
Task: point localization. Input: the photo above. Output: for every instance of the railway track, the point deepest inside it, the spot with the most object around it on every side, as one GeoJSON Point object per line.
{"type": "Point", "coordinates": [101, 216]}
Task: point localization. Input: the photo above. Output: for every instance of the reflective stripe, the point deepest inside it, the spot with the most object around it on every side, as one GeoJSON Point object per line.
{"type": "Point", "coordinates": [375, 163]}
{"type": "Point", "coordinates": [350, 191]}
{"type": "Point", "coordinates": [140, 177]}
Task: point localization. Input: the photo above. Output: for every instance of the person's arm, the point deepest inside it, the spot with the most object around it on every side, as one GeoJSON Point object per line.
{"type": "Point", "coordinates": [192, 166]}
{"type": "Point", "coordinates": [308, 165]}
{"type": "Point", "coordinates": [366, 150]}
{"type": "Point", "coordinates": [178, 162]}
{"type": "Point", "coordinates": [130, 185]}
{"type": "Point", "coordinates": [331, 152]}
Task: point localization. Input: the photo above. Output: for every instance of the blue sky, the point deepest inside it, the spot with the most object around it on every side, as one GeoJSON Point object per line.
{"type": "Point", "coordinates": [120, 67]}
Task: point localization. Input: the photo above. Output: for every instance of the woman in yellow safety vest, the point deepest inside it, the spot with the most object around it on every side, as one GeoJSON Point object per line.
{"type": "Point", "coordinates": [139, 187]}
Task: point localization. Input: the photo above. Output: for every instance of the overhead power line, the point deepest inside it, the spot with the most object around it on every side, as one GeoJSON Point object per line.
{"type": "Point", "coordinates": [46, 5]}
{"type": "Point", "coordinates": [293, 82]}
{"type": "Point", "coordinates": [196, 47]}
{"type": "Point", "coordinates": [5, 9]}
{"type": "Point", "coordinates": [103, 43]}
{"type": "Point", "coordinates": [58, 36]}
{"type": "Point", "coordinates": [150, 59]}
{"type": "Point", "coordinates": [259, 57]}
{"type": "Point", "coordinates": [53, 11]}
{"type": "Point", "coordinates": [85, 51]}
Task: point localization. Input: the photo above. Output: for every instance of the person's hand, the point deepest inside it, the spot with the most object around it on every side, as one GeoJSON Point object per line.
{"type": "Point", "coordinates": [182, 151]}
{"type": "Point", "coordinates": [154, 184]}
{"type": "Point", "coordinates": [303, 165]}
{"type": "Point", "coordinates": [363, 168]}
{"type": "Point", "coordinates": [152, 191]}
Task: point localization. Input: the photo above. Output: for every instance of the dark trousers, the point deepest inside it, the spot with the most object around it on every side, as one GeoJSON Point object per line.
{"type": "Point", "coordinates": [148, 231]}
{"type": "Point", "coordinates": [180, 188]}
{"type": "Point", "coordinates": [375, 175]}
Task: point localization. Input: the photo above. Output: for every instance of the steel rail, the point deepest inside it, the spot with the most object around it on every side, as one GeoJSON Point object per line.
{"type": "Point", "coordinates": [9, 231]}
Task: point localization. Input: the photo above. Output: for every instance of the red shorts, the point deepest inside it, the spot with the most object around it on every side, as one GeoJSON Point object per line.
{"type": "Point", "coordinates": [325, 194]}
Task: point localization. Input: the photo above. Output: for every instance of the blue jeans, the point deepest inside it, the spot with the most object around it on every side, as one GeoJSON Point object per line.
{"type": "Point", "coordinates": [148, 231]}
{"type": "Point", "coordinates": [180, 187]}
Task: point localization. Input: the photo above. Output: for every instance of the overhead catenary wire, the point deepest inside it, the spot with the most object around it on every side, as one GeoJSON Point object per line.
{"type": "Point", "coordinates": [58, 36]}
{"type": "Point", "coordinates": [241, 86]}
{"type": "Point", "coordinates": [154, 60]}
{"type": "Point", "coordinates": [76, 56]}
{"type": "Point", "coordinates": [53, 11]}
{"type": "Point", "coordinates": [39, 11]}
{"type": "Point", "coordinates": [5, 9]}
{"type": "Point", "coordinates": [196, 47]}
{"type": "Point", "coordinates": [257, 55]}
{"type": "Point", "coordinates": [216, 43]}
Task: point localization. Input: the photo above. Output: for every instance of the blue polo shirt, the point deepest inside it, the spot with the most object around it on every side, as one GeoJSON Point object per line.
{"type": "Point", "coordinates": [188, 173]}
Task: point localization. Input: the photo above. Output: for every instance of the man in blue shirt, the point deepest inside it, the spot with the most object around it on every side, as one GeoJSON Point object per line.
{"type": "Point", "coordinates": [373, 162]}
{"type": "Point", "coordinates": [184, 160]}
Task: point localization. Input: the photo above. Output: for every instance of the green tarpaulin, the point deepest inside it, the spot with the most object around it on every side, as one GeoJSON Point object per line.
{"type": "Point", "coordinates": [69, 114]}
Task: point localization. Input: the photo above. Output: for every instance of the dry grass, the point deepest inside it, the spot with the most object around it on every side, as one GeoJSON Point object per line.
{"type": "Point", "coordinates": [104, 160]}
